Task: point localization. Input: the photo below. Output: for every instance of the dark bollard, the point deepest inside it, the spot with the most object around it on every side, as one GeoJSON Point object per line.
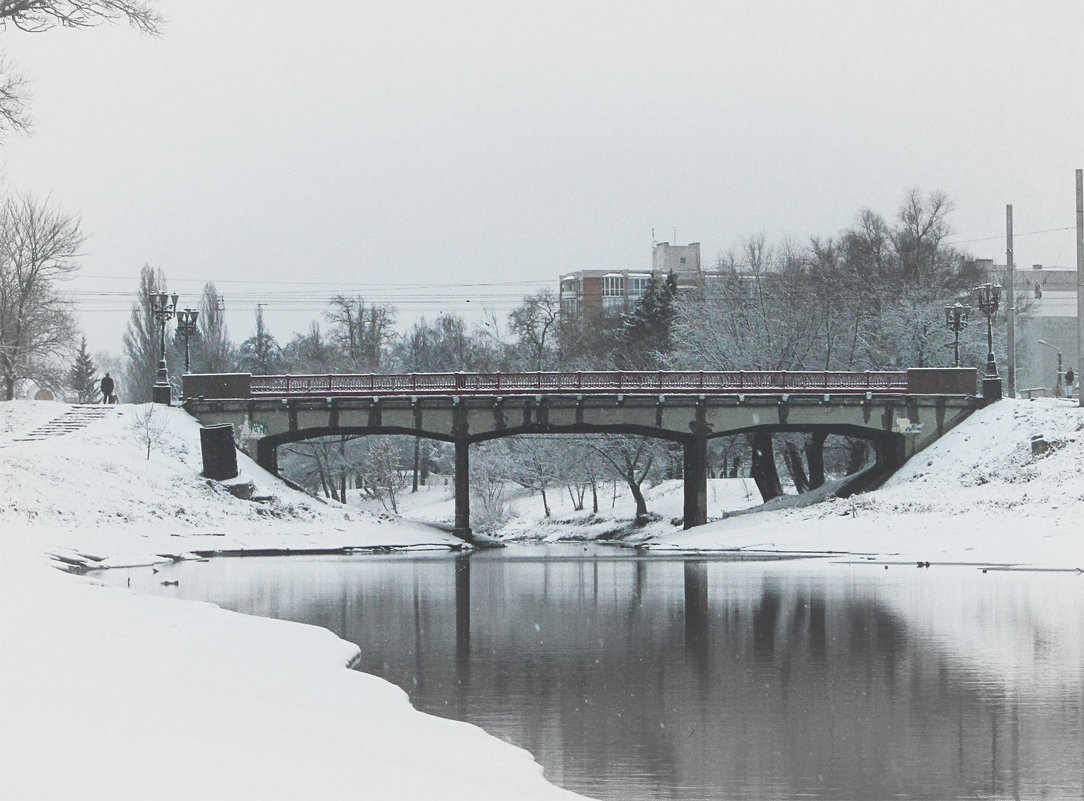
{"type": "Point", "coordinates": [219, 453]}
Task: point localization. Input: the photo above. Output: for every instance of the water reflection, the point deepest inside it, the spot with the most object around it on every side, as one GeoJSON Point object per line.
{"type": "Point", "coordinates": [632, 678]}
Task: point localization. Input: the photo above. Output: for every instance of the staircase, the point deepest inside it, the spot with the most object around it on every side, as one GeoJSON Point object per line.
{"type": "Point", "coordinates": [75, 418]}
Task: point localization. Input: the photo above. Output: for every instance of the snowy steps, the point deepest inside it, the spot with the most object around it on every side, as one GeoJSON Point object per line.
{"type": "Point", "coordinates": [75, 418]}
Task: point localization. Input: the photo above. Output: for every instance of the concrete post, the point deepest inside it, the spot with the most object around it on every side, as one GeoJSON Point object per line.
{"type": "Point", "coordinates": [267, 456]}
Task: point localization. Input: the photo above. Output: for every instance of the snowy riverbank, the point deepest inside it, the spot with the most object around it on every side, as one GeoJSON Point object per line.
{"type": "Point", "coordinates": [106, 694]}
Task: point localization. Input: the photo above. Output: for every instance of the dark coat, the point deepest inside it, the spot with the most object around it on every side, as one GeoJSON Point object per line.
{"type": "Point", "coordinates": [107, 387]}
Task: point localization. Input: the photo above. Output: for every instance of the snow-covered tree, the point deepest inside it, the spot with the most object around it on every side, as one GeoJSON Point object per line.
{"type": "Point", "coordinates": [39, 246]}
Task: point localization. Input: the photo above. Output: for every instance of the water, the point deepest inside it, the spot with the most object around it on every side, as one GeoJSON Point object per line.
{"type": "Point", "coordinates": [646, 678]}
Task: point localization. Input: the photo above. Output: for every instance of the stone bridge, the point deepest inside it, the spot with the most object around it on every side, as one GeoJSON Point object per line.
{"type": "Point", "coordinates": [900, 413]}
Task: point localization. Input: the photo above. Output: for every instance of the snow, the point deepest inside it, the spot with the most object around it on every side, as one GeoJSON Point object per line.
{"type": "Point", "coordinates": [978, 495]}
{"type": "Point", "coordinates": [105, 694]}
{"type": "Point", "coordinates": [108, 694]}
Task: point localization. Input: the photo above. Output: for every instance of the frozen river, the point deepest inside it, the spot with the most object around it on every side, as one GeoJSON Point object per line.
{"type": "Point", "coordinates": [680, 678]}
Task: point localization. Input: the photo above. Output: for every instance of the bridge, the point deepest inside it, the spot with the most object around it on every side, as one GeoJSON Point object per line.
{"type": "Point", "coordinates": [899, 412]}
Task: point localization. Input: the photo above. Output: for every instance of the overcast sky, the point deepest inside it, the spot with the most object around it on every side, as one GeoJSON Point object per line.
{"type": "Point", "coordinates": [425, 154]}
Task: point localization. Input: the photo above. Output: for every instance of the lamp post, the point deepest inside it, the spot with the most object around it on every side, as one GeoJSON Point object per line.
{"type": "Point", "coordinates": [1058, 385]}
{"type": "Point", "coordinates": [956, 320]}
{"type": "Point", "coordinates": [163, 307]}
{"type": "Point", "coordinates": [186, 327]}
{"type": "Point", "coordinates": [987, 297]}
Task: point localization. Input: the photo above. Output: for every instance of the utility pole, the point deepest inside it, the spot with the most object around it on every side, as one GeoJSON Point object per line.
{"type": "Point", "coordinates": [1010, 302]}
{"type": "Point", "coordinates": [1080, 279]}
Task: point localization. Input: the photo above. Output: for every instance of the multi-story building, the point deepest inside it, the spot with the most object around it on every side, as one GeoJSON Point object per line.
{"type": "Point", "coordinates": [586, 293]}
{"type": "Point", "coordinates": [1046, 325]}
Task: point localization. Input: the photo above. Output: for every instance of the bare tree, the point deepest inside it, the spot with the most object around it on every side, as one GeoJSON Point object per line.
{"type": "Point", "coordinates": [537, 465]}
{"type": "Point", "coordinates": [534, 322]}
{"type": "Point", "coordinates": [14, 100]}
{"type": "Point", "coordinates": [149, 426]}
{"type": "Point", "coordinates": [35, 16]}
{"type": "Point", "coordinates": [633, 459]}
{"type": "Point", "coordinates": [384, 477]}
{"type": "Point", "coordinates": [362, 334]}
{"type": "Point", "coordinates": [39, 246]}
{"type": "Point", "coordinates": [490, 470]}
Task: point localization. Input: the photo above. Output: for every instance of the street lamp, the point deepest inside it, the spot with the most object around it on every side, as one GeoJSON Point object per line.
{"type": "Point", "coordinates": [186, 327]}
{"type": "Point", "coordinates": [956, 320]}
{"type": "Point", "coordinates": [987, 296]}
{"type": "Point", "coordinates": [1058, 386]}
{"type": "Point", "coordinates": [163, 307]}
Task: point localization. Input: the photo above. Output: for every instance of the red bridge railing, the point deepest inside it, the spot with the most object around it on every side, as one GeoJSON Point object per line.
{"type": "Point", "coordinates": [664, 382]}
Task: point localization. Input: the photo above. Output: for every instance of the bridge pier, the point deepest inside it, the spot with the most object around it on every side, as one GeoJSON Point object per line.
{"type": "Point", "coordinates": [461, 440]}
{"type": "Point", "coordinates": [815, 456]}
{"type": "Point", "coordinates": [695, 453]}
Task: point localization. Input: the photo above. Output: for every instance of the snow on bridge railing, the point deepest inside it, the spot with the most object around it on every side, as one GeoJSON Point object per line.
{"type": "Point", "coordinates": [584, 382]}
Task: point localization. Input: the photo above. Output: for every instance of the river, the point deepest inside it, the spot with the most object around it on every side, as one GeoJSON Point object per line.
{"type": "Point", "coordinates": [648, 677]}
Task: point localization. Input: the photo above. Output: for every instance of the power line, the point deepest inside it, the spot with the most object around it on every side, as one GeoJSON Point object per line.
{"type": "Point", "coordinates": [1002, 236]}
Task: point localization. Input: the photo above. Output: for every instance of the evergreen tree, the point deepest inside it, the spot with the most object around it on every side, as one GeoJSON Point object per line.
{"type": "Point", "coordinates": [645, 338]}
{"type": "Point", "coordinates": [83, 376]}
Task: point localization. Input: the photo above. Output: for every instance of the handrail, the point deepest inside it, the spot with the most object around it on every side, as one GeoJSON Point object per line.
{"type": "Point", "coordinates": [672, 382]}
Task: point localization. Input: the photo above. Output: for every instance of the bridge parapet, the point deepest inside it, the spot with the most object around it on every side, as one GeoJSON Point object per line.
{"type": "Point", "coordinates": [243, 385]}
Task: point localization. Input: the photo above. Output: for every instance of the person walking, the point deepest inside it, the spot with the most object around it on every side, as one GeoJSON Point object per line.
{"type": "Point", "coordinates": [1070, 376]}
{"type": "Point", "coordinates": [107, 389]}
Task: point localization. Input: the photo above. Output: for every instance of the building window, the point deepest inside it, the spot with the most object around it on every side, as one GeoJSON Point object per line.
{"type": "Point", "coordinates": [682, 259]}
{"type": "Point", "coordinates": [613, 291]}
{"type": "Point", "coordinates": [638, 285]}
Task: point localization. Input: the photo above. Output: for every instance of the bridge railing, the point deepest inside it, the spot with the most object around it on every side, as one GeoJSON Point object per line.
{"type": "Point", "coordinates": [581, 382]}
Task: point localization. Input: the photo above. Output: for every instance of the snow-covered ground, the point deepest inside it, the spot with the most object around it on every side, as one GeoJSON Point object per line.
{"type": "Point", "coordinates": [106, 694]}
{"type": "Point", "coordinates": [979, 495]}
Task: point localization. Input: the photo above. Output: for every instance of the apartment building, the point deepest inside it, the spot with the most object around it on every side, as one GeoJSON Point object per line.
{"type": "Point", "coordinates": [584, 294]}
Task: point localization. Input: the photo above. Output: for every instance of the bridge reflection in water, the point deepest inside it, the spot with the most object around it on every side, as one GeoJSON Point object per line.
{"type": "Point", "coordinates": [697, 679]}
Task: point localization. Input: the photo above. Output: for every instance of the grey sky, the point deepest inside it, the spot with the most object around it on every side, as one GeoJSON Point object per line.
{"type": "Point", "coordinates": [363, 147]}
